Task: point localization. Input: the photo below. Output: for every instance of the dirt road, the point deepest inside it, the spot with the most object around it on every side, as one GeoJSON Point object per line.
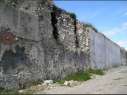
{"type": "Point", "coordinates": [113, 82]}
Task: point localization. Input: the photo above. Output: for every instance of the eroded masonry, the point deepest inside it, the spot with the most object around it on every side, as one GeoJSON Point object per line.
{"type": "Point", "coordinates": [40, 41]}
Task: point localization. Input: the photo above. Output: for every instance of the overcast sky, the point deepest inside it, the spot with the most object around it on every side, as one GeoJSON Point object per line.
{"type": "Point", "coordinates": [109, 17]}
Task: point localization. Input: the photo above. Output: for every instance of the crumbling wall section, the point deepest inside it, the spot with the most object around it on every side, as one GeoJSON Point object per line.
{"type": "Point", "coordinates": [62, 57]}
{"type": "Point", "coordinates": [83, 36]}
{"type": "Point", "coordinates": [66, 29]}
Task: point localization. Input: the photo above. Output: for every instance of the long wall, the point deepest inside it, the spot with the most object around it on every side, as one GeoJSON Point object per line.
{"type": "Point", "coordinates": [49, 43]}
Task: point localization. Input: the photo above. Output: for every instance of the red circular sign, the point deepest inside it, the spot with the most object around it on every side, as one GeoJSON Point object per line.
{"type": "Point", "coordinates": [7, 37]}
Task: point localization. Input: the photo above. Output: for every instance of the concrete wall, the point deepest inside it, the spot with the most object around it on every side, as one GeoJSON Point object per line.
{"type": "Point", "coordinates": [23, 61]}
{"type": "Point", "coordinates": [113, 54]}
{"type": "Point", "coordinates": [123, 56]}
{"type": "Point", "coordinates": [49, 43]}
{"type": "Point", "coordinates": [97, 49]}
{"type": "Point", "coordinates": [104, 53]}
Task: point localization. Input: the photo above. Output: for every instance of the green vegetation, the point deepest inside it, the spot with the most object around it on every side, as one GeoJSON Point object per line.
{"type": "Point", "coordinates": [73, 15]}
{"type": "Point", "coordinates": [81, 76]}
{"type": "Point", "coordinates": [96, 71]}
{"type": "Point", "coordinates": [91, 26]}
{"type": "Point", "coordinates": [57, 9]}
{"type": "Point", "coordinates": [78, 76]}
{"type": "Point", "coordinates": [60, 81]}
{"type": "Point", "coordinates": [8, 91]}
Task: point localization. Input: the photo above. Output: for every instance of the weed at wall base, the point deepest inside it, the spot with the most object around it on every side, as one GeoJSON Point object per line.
{"type": "Point", "coordinates": [81, 76]}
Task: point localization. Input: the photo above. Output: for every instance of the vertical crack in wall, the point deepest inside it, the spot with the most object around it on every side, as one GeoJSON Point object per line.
{"type": "Point", "coordinates": [75, 30]}
{"type": "Point", "coordinates": [54, 23]}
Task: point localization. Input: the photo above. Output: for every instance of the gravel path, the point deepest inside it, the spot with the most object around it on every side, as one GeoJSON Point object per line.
{"type": "Point", "coordinates": [113, 82]}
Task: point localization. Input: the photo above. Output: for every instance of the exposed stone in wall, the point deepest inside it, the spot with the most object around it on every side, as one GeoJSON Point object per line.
{"type": "Point", "coordinates": [66, 30]}
{"type": "Point", "coordinates": [46, 43]}
{"type": "Point", "coordinates": [83, 37]}
{"type": "Point", "coordinates": [75, 29]}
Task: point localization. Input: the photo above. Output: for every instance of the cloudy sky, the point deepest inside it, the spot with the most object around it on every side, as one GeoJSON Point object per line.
{"type": "Point", "coordinates": [109, 17]}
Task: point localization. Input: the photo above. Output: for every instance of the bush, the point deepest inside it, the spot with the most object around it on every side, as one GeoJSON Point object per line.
{"type": "Point", "coordinates": [73, 15]}
{"type": "Point", "coordinates": [91, 26]}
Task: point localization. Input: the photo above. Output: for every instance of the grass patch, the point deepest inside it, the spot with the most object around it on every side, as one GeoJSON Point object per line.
{"type": "Point", "coordinates": [96, 71]}
{"type": "Point", "coordinates": [8, 91]}
{"type": "Point", "coordinates": [81, 76]}
{"type": "Point", "coordinates": [60, 81]}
